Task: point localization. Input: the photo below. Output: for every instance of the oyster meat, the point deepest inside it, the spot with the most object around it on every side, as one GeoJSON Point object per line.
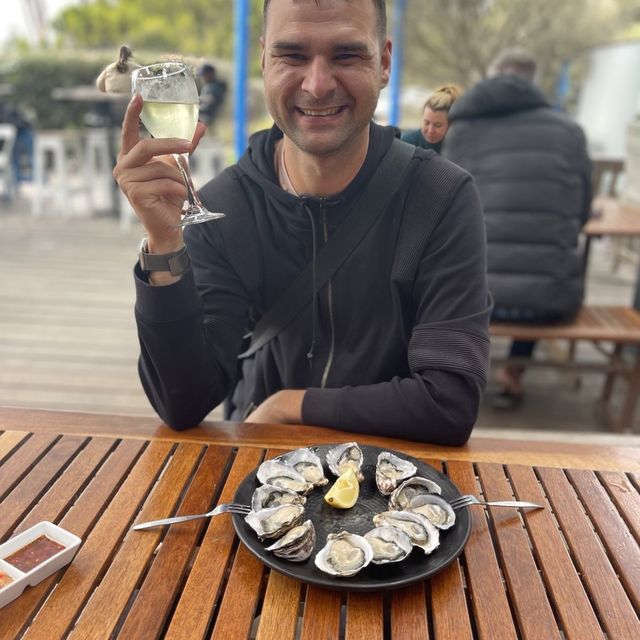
{"type": "Point", "coordinates": [267, 496]}
{"type": "Point", "coordinates": [297, 544]}
{"type": "Point", "coordinates": [389, 544]}
{"type": "Point", "coordinates": [282, 475]}
{"type": "Point", "coordinates": [274, 522]}
{"type": "Point", "coordinates": [346, 456]}
{"type": "Point", "coordinates": [423, 534]}
{"type": "Point", "coordinates": [306, 463]}
{"type": "Point", "coordinates": [344, 554]}
{"type": "Point", "coordinates": [391, 470]}
{"type": "Point", "coordinates": [435, 508]}
{"type": "Point", "coordinates": [409, 489]}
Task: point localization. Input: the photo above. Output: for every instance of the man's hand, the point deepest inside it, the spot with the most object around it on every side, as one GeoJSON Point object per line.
{"type": "Point", "coordinates": [283, 407]}
{"type": "Point", "coordinates": [149, 178]}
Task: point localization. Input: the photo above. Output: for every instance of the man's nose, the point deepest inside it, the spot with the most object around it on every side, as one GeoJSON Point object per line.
{"type": "Point", "coordinates": [319, 79]}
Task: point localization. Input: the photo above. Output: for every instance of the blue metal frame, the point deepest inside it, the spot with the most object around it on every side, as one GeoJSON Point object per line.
{"type": "Point", "coordinates": [397, 55]}
{"type": "Point", "coordinates": [241, 22]}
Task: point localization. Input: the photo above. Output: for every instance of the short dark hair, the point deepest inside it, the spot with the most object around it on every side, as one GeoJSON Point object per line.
{"type": "Point", "coordinates": [514, 61]}
{"type": "Point", "coordinates": [381, 16]}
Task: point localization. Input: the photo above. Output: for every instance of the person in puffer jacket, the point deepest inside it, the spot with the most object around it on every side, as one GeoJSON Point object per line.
{"type": "Point", "coordinates": [532, 168]}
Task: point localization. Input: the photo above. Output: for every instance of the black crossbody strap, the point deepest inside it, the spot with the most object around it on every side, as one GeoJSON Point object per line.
{"type": "Point", "coordinates": [374, 200]}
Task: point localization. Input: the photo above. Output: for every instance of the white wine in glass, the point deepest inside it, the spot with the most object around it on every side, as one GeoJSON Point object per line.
{"type": "Point", "coordinates": [170, 110]}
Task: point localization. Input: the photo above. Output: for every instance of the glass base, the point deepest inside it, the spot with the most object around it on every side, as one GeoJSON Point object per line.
{"type": "Point", "coordinates": [195, 215]}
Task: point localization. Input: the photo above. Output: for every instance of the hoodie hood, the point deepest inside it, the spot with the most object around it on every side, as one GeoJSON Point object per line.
{"type": "Point", "coordinates": [497, 96]}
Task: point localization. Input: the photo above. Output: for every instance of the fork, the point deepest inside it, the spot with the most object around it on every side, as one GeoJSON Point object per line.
{"type": "Point", "coordinates": [231, 507]}
{"type": "Point", "coordinates": [466, 501]}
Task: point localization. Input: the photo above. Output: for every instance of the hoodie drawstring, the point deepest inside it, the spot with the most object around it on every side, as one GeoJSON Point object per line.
{"type": "Point", "coordinates": [314, 293]}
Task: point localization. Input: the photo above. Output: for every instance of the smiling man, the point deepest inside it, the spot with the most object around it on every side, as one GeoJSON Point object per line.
{"type": "Point", "coordinates": [395, 340]}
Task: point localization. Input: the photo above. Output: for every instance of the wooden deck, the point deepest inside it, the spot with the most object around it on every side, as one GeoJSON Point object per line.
{"type": "Point", "coordinates": [68, 339]}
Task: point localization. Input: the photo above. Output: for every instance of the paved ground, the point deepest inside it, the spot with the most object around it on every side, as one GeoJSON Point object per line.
{"type": "Point", "coordinates": [68, 340]}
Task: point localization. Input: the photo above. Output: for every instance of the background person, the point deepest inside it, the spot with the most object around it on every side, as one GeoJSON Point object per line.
{"type": "Point", "coordinates": [435, 120]}
{"type": "Point", "coordinates": [531, 165]}
{"type": "Point", "coordinates": [212, 94]}
{"type": "Point", "coordinates": [116, 77]}
{"type": "Point", "coordinates": [396, 343]}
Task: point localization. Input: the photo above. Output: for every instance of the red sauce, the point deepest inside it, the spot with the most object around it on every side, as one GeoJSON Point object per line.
{"type": "Point", "coordinates": [34, 553]}
{"type": "Point", "coordinates": [5, 579]}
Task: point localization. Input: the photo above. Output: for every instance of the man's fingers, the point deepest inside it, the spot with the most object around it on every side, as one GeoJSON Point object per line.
{"type": "Point", "coordinates": [201, 129]}
{"type": "Point", "coordinates": [131, 124]}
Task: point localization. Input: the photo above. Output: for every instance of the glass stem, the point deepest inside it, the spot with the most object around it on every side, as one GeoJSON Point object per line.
{"type": "Point", "coordinates": [182, 160]}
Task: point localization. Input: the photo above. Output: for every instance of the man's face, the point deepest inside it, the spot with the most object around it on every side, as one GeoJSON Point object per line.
{"type": "Point", "coordinates": [323, 67]}
{"type": "Point", "coordinates": [434, 125]}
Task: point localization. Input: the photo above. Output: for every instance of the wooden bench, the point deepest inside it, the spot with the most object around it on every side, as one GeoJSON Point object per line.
{"type": "Point", "coordinates": [609, 329]}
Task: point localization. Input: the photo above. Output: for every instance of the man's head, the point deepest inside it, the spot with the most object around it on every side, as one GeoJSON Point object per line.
{"type": "Point", "coordinates": [324, 64]}
{"type": "Point", "coordinates": [514, 62]}
{"type": "Point", "coordinates": [207, 72]}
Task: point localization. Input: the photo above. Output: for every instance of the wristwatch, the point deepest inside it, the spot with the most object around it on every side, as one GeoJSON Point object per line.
{"type": "Point", "coordinates": [175, 263]}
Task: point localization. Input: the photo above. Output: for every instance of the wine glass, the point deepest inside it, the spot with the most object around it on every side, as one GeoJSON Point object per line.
{"type": "Point", "coordinates": [170, 110]}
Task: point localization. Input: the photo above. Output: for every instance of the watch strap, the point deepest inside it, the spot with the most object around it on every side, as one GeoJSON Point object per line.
{"type": "Point", "coordinates": [175, 263]}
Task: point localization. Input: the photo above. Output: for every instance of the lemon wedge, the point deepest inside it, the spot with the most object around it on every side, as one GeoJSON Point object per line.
{"type": "Point", "coordinates": [344, 492]}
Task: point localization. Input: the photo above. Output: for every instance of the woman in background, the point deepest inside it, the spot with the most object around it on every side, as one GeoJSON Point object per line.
{"type": "Point", "coordinates": [116, 77]}
{"type": "Point", "coordinates": [435, 120]}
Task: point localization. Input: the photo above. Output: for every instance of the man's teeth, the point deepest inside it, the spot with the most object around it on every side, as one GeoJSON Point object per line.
{"type": "Point", "coordinates": [321, 112]}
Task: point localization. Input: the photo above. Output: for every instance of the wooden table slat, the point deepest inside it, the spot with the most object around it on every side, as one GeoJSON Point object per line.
{"type": "Point", "coordinates": [31, 451]}
{"type": "Point", "coordinates": [615, 610]}
{"type": "Point", "coordinates": [321, 617]}
{"type": "Point", "coordinates": [626, 497]}
{"type": "Point", "coordinates": [9, 440]}
{"type": "Point", "coordinates": [448, 605]}
{"type": "Point", "coordinates": [572, 605]}
{"type": "Point", "coordinates": [491, 610]}
{"type": "Point", "coordinates": [200, 593]}
{"type": "Point", "coordinates": [622, 549]}
{"type": "Point", "coordinates": [78, 520]}
{"type": "Point", "coordinates": [409, 613]}
{"type": "Point", "coordinates": [279, 615]}
{"type": "Point", "coordinates": [365, 616]}
{"type": "Point", "coordinates": [157, 593]}
{"type": "Point", "coordinates": [26, 493]}
{"type": "Point", "coordinates": [81, 577]}
{"type": "Point", "coordinates": [238, 605]}
{"type": "Point", "coordinates": [528, 596]}
{"type": "Point", "coordinates": [102, 613]}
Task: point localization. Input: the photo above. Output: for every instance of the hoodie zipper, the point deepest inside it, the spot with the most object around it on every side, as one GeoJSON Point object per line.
{"type": "Point", "coordinates": [325, 373]}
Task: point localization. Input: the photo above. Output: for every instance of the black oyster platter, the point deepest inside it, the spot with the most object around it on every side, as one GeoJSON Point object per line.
{"type": "Point", "coordinates": [358, 520]}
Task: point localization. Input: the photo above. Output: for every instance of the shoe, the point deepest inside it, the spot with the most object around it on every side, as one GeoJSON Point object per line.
{"type": "Point", "coordinates": [506, 400]}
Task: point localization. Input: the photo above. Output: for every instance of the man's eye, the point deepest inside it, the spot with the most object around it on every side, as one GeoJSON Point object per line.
{"type": "Point", "coordinates": [346, 57]}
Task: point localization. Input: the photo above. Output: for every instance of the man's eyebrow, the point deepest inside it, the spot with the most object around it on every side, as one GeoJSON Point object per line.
{"type": "Point", "coordinates": [348, 47]}
{"type": "Point", "coordinates": [289, 46]}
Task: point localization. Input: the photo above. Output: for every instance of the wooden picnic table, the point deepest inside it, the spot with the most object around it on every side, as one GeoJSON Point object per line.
{"type": "Point", "coordinates": [571, 570]}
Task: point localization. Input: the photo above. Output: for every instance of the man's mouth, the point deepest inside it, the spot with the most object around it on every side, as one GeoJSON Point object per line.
{"type": "Point", "coordinates": [320, 113]}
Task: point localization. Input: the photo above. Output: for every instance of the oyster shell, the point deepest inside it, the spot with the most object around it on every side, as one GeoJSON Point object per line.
{"type": "Point", "coordinates": [409, 489]}
{"type": "Point", "coordinates": [423, 534]}
{"type": "Point", "coordinates": [282, 475]}
{"type": "Point", "coordinates": [267, 496]}
{"type": "Point", "coordinates": [389, 544]}
{"type": "Point", "coordinates": [435, 508]}
{"type": "Point", "coordinates": [391, 470]}
{"type": "Point", "coordinates": [297, 544]}
{"type": "Point", "coordinates": [274, 522]}
{"type": "Point", "coordinates": [346, 456]}
{"type": "Point", "coordinates": [306, 463]}
{"type": "Point", "coordinates": [344, 554]}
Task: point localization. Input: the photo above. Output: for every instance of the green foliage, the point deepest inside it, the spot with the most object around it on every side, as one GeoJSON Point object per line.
{"type": "Point", "coordinates": [33, 77]}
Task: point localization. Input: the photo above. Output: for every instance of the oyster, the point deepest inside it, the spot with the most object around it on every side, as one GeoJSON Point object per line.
{"type": "Point", "coordinates": [346, 456]}
{"type": "Point", "coordinates": [344, 554]}
{"type": "Point", "coordinates": [409, 489]}
{"type": "Point", "coordinates": [435, 508]}
{"type": "Point", "coordinates": [422, 533]}
{"type": "Point", "coordinates": [282, 475]}
{"type": "Point", "coordinates": [297, 544]}
{"type": "Point", "coordinates": [306, 463]}
{"type": "Point", "coordinates": [267, 496]}
{"type": "Point", "coordinates": [391, 471]}
{"type": "Point", "coordinates": [272, 523]}
{"type": "Point", "coordinates": [389, 544]}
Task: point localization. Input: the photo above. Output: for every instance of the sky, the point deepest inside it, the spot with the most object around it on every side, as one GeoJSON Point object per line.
{"type": "Point", "coordinates": [14, 16]}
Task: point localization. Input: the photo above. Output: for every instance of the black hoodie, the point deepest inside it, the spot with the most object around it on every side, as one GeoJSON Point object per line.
{"type": "Point", "coordinates": [396, 343]}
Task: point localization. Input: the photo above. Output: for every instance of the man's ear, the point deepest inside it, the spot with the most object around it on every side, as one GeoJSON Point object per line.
{"type": "Point", "coordinates": [385, 61]}
{"type": "Point", "coordinates": [262, 54]}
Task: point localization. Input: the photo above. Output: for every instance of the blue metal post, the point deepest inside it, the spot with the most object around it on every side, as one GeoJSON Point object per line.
{"type": "Point", "coordinates": [395, 83]}
{"type": "Point", "coordinates": [241, 20]}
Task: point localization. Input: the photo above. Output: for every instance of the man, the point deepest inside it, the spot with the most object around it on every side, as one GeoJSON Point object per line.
{"type": "Point", "coordinates": [396, 343]}
{"type": "Point", "coordinates": [212, 94]}
{"type": "Point", "coordinates": [534, 175]}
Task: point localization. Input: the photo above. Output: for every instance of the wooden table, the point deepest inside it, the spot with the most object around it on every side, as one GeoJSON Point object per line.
{"type": "Point", "coordinates": [571, 570]}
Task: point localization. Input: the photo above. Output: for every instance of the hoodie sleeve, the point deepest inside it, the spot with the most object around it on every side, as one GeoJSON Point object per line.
{"type": "Point", "coordinates": [448, 351]}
